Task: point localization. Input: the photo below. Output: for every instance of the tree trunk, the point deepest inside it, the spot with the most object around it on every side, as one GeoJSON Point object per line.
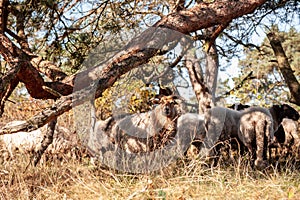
{"type": "Point", "coordinates": [285, 68]}
{"type": "Point", "coordinates": [212, 68]}
{"type": "Point", "coordinates": [202, 92]}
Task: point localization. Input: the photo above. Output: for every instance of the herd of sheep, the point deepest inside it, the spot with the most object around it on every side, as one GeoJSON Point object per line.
{"type": "Point", "coordinates": [254, 129]}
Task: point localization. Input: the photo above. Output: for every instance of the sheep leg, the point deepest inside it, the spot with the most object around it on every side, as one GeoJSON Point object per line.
{"type": "Point", "coordinates": [251, 153]}
{"type": "Point", "coordinates": [260, 149]}
{"type": "Point", "coordinates": [265, 147]}
{"type": "Point", "coordinates": [270, 154]}
{"type": "Point", "coordinates": [241, 146]}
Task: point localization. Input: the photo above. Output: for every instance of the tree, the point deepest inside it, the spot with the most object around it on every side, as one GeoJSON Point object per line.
{"type": "Point", "coordinates": [285, 68]}
{"type": "Point", "coordinates": [25, 64]}
{"type": "Point", "coordinates": [267, 80]}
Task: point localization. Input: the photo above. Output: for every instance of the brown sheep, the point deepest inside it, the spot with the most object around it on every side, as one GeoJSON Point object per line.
{"type": "Point", "coordinates": [161, 123]}
{"type": "Point", "coordinates": [279, 112]}
{"type": "Point", "coordinates": [256, 133]}
{"type": "Point", "coordinates": [142, 132]}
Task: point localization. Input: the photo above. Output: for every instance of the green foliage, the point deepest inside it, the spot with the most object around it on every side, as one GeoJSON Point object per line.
{"type": "Point", "coordinates": [126, 96]}
{"type": "Point", "coordinates": [264, 60]}
{"type": "Point", "coordinates": [140, 101]}
{"type": "Point", "coordinates": [104, 105]}
{"type": "Point", "coordinates": [267, 84]}
{"type": "Point", "coordinates": [65, 32]}
{"type": "Point", "coordinates": [162, 194]}
{"type": "Point", "coordinates": [68, 32]}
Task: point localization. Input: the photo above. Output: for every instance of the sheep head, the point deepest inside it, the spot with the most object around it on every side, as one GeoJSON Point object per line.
{"type": "Point", "coordinates": [238, 106]}
{"type": "Point", "coordinates": [168, 104]}
{"type": "Point", "coordinates": [286, 111]}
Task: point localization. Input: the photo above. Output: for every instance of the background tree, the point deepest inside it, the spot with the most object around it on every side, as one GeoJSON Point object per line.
{"type": "Point", "coordinates": [267, 84]}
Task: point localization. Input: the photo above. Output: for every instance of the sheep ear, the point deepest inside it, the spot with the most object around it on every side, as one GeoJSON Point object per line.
{"type": "Point", "coordinates": [155, 101]}
{"type": "Point", "coordinates": [277, 107]}
{"type": "Point", "coordinates": [178, 100]}
{"type": "Point", "coordinates": [175, 97]}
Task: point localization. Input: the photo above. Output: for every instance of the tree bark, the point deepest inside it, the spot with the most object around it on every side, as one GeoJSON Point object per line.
{"type": "Point", "coordinates": [285, 68]}
{"type": "Point", "coordinates": [212, 69]}
{"type": "Point", "coordinates": [7, 84]}
{"type": "Point", "coordinates": [202, 92]}
{"type": "Point", "coordinates": [136, 53]}
{"type": "Point", "coordinates": [47, 140]}
{"type": "Point", "coordinates": [204, 15]}
{"type": "Point", "coordinates": [3, 15]}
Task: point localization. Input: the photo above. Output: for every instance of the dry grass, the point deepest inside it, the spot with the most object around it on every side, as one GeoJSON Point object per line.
{"type": "Point", "coordinates": [182, 180]}
{"type": "Point", "coordinates": [194, 179]}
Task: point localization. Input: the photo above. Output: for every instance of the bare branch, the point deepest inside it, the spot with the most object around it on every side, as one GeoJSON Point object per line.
{"type": "Point", "coordinates": [248, 45]}
{"type": "Point", "coordinates": [240, 85]}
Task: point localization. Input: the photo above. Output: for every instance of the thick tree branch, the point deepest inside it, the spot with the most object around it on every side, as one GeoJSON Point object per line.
{"type": "Point", "coordinates": [47, 140]}
{"type": "Point", "coordinates": [7, 84]}
{"type": "Point", "coordinates": [21, 31]}
{"type": "Point", "coordinates": [48, 68]}
{"type": "Point", "coordinates": [212, 62]}
{"type": "Point", "coordinates": [28, 74]}
{"type": "Point", "coordinates": [205, 15]}
{"type": "Point", "coordinates": [8, 50]}
{"type": "Point", "coordinates": [213, 36]}
{"type": "Point", "coordinates": [3, 14]}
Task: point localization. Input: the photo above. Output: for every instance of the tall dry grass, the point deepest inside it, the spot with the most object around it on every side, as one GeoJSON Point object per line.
{"type": "Point", "coordinates": [185, 179]}
{"type": "Point", "coordinates": [193, 179]}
